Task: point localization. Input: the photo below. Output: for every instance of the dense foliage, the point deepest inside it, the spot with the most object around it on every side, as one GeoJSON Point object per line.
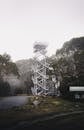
{"type": "Point", "coordinates": [67, 64]}
{"type": "Point", "coordinates": [4, 88]}
{"type": "Point", "coordinates": [6, 67]}
{"type": "Point", "coordinates": [70, 64]}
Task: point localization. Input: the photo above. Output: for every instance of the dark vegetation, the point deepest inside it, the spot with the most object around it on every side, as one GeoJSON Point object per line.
{"type": "Point", "coordinates": [67, 63]}
{"type": "Point", "coordinates": [4, 89]}
{"type": "Point", "coordinates": [68, 67]}
{"type": "Point", "coordinates": [6, 67]}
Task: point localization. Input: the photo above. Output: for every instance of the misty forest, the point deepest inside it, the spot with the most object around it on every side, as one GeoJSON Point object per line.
{"type": "Point", "coordinates": [40, 88]}
{"type": "Point", "coordinates": [67, 64]}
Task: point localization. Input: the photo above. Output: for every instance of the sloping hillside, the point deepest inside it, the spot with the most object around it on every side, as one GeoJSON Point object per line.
{"type": "Point", "coordinates": [24, 65]}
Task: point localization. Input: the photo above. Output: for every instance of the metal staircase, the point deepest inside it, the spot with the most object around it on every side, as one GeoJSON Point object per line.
{"type": "Point", "coordinates": [39, 70]}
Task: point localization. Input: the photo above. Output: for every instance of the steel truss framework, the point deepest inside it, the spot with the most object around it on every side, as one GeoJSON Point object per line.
{"type": "Point", "coordinates": [39, 70]}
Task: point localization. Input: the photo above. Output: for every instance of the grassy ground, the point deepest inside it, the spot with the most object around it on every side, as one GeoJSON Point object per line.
{"type": "Point", "coordinates": [47, 105]}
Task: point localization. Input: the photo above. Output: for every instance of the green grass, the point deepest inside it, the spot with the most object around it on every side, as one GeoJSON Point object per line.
{"type": "Point", "coordinates": [47, 105]}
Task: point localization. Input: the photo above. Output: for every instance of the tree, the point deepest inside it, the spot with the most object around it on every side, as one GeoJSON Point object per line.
{"type": "Point", "coordinates": [4, 88]}
{"type": "Point", "coordinates": [79, 63]}
{"type": "Point", "coordinates": [71, 47]}
{"type": "Point", "coordinates": [28, 82]}
{"type": "Point", "coordinates": [69, 64]}
{"type": "Point", "coordinates": [40, 47]}
{"type": "Point", "coordinates": [6, 57]}
{"type": "Point", "coordinates": [7, 67]}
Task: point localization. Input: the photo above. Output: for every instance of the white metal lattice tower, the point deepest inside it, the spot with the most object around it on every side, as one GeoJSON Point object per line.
{"type": "Point", "coordinates": [39, 70]}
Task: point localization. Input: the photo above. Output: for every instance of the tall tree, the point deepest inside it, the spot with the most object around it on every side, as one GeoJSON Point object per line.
{"type": "Point", "coordinates": [6, 67]}
{"type": "Point", "coordinates": [69, 64]}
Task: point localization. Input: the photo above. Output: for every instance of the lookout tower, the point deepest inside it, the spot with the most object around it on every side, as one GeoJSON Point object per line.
{"type": "Point", "coordinates": [39, 69]}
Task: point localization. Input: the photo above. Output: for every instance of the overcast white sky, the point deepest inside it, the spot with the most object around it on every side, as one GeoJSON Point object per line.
{"type": "Point", "coordinates": [22, 22]}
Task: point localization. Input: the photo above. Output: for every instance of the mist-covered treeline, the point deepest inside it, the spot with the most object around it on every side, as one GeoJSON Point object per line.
{"type": "Point", "coordinates": [67, 63]}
